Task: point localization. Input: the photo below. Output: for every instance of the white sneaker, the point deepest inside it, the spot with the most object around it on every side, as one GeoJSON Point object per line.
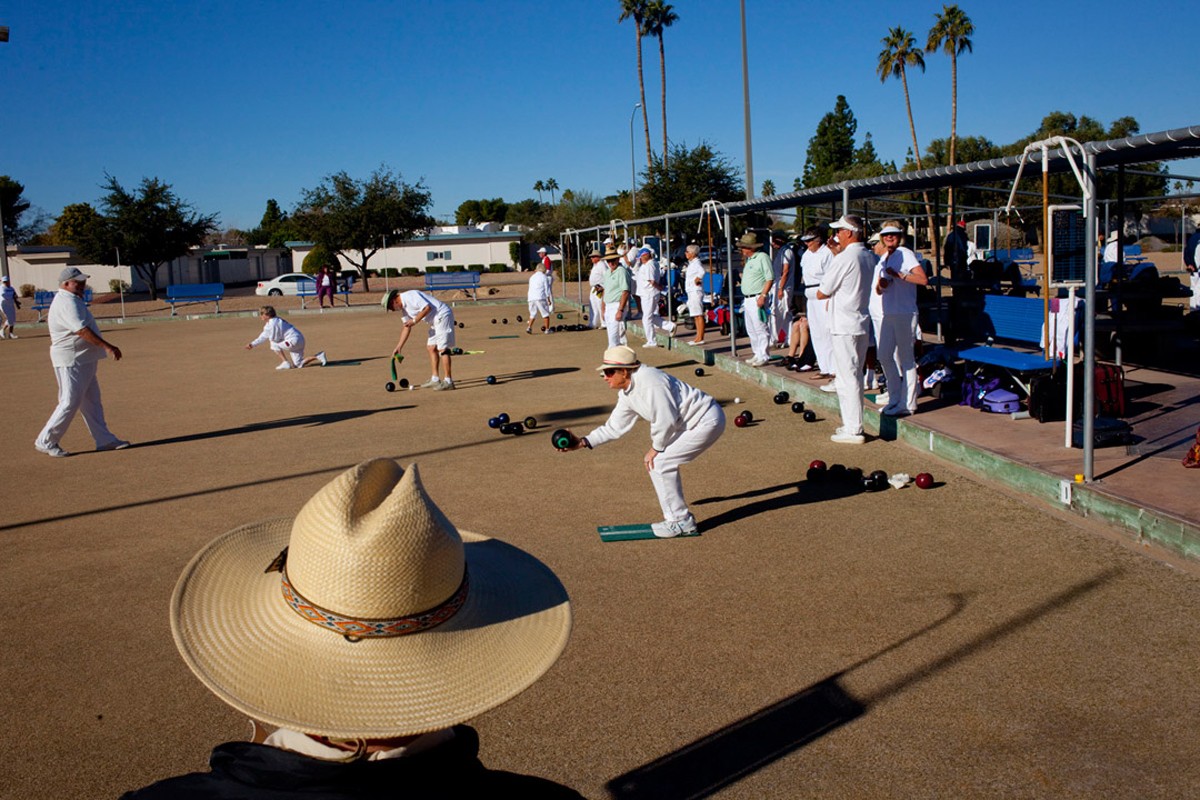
{"type": "Point", "coordinates": [650, 344]}
{"type": "Point", "coordinates": [443, 386]}
{"type": "Point", "coordinates": [321, 359]}
{"type": "Point", "coordinates": [847, 438]}
{"type": "Point", "coordinates": [696, 341]}
{"type": "Point", "coordinates": [669, 529]}
{"type": "Point", "coordinates": [53, 450]}
{"type": "Point", "coordinates": [828, 387]}
{"type": "Point", "coordinates": [284, 365]}
{"type": "Point", "coordinates": [432, 383]}
{"type": "Point", "coordinates": [882, 399]}
{"type": "Point", "coordinates": [115, 444]}
{"type": "Point", "coordinates": [760, 362]}
{"type": "Point", "coordinates": [668, 326]}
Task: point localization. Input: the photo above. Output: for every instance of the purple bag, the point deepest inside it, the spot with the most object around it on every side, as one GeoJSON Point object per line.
{"type": "Point", "coordinates": [975, 387]}
{"type": "Point", "coordinates": [1000, 401]}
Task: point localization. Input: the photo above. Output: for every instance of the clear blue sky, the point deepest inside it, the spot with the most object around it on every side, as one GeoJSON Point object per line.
{"type": "Point", "coordinates": [236, 102]}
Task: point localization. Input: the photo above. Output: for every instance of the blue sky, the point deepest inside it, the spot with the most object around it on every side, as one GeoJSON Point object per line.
{"type": "Point", "coordinates": [236, 102]}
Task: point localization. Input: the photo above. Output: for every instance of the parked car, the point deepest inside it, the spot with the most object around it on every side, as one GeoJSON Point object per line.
{"type": "Point", "coordinates": [284, 284]}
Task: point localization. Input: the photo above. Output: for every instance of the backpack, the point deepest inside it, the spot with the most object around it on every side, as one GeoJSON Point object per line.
{"type": "Point", "coordinates": [974, 387]}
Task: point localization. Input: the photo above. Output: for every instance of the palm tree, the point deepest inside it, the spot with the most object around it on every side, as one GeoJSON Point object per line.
{"type": "Point", "coordinates": [660, 16]}
{"type": "Point", "coordinates": [900, 52]}
{"type": "Point", "coordinates": [768, 188]}
{"type": "Point", "coordinates": [950, 32]}
{"type": "Point", "coordinates": [636, 10]}
{"type": "Point", "coordinates": [539, 187]}
{"type": "Point", "coordinates": [551, 187]}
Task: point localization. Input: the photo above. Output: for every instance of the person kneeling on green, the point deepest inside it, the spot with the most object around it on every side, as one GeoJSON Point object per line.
{"type": "Point", "coordinates": [684, 422]}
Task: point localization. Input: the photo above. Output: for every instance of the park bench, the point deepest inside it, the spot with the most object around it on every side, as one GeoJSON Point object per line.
{"type": "Point", "coordinates": [190, 293]}
{"type": "Point", "coordinates": [307, 289]}
{"type": "Point", "coordinates": [445, 281]}
{"type": "Point", "coordinates": [43, 297]}
{"type": "Point", "coordinates": [1015, 320]}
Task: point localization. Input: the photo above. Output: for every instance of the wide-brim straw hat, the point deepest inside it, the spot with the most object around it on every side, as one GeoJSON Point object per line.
{"type": "Point", "coordinates": [611, 253]}
{"type": "Point", "coordinates": [313, 647]}
{"type": "Point", "coordinates": [619, 357]}
{"type": "Point", "coordinates": [749, 240]}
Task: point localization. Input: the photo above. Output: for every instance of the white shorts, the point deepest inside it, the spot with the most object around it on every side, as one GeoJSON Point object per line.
{"type": "Point", "coordinates": [539, 307]}
{"type": "Point", "coordinates": [695, 303]}
{"type": "Point", "coordinates": [441, 331]}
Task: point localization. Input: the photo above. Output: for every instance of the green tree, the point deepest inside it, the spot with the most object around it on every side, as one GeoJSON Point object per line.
{"type": "Point", "coordinates": [526, 212]}
{"type": "Point", "coordinates": [831, 149]}
{"type": "Point", "coordinates": [552, 187]}
{"type": "Point", "coordinates": [275, 229]}
{"type": "Point", "coordinates": [350, 217]}
{"type": "Point", "coordinates": [636, 10]}
{"type": "Point", "coordinates": [768, 188]}
{"type": "Point", "coordinates": [582, 210]}
{"type": "Point", "coordinates": [692, 175]}
{"type": "Point", "coordinates": [659, 17]}
{"type": "Point", "coordinates": [951, 33]}
{"type": "Point", "coordinates": [494, 210]}
{"type": "Point", "coordinates": [148, 227]}
{"type": "Point", "coordinates": [539, 187]}
{"type": "Point", "coordinates": [12, 205]}
{"type": "Point", "coordinates": [74, 223]}
{"type": "Point", "coordinates": [319, 257]}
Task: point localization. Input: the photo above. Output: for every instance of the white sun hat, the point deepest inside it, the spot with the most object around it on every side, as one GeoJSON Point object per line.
{"type": "Point", "coordinates": [368, 616]}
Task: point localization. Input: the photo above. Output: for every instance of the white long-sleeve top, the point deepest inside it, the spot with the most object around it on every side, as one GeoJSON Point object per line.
{"type": "Point", "coordinates": [667, 403]}
{"type": "Point", "coordinates": [277, 330]}
{"type": "Point", "coordinates": [539, 287]}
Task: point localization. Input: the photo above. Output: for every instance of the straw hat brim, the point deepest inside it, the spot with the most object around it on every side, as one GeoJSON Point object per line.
{"type": "Point", "coordinates": [245, 644]}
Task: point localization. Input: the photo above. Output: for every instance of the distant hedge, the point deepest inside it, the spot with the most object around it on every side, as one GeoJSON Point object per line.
{"type": "Point", "coordinates": [497, 267]}
{"type": "Point", "coordinates": [435, 269]}
{"type": "Point", "coordinates": [475, 267]}
{"type": "Point", "coordinates": [454, 268]}
{"type": "Point", "coordinates": [410, 272]}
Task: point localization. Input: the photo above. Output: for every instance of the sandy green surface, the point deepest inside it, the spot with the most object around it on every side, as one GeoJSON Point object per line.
{"type": "Point", "coordinates": [814, 642]}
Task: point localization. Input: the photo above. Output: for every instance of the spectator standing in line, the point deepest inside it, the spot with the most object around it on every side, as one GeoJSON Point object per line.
{"type": "Point", "coordinates": [693, 281]}
{"type": "Point", "coordinates": [354, 638]}
{"type": "Point", "coordinates": [1191, 262]}
{"type": "Point", "coordinates": [415, 306]}
{"type": "Point", "coordinates": [650, 283]}
{"type": "Point", "coordinates": [617, 291]}
{"type": "Point", "coordinates": [757, 277]}
{"type": "Point", "coordinates": [539, 299]}
{"type": "Point", "coordinates": [783, 268]}
{"type": "Point", "coordinates": [76, 348]}
{"type": "Point", "coordinates": [814, 262]}
{"type": "Point", "coordinates": [954, 250]}
{"type": "Point", "coordinates": [286, 340]}
{"type": "Point", "coordinates": [596, 290]}
{"type": "Point", "coordinates": [900, 273]}
{"type": "Point", "coordinates": [8, 309]}
{"type": "Point", "coordinates": [847, 285]}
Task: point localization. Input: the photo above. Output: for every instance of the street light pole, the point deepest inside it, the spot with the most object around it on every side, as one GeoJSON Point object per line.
{"type": "Point", "coordinates": [632, 167]}
{"type": "Point", "coordinates": [3, 243]}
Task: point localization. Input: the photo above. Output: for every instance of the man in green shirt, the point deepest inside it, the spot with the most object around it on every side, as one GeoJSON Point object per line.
{"type": "Point", "coordinates": [617, 285]}
{"type": "Point", "coordinates": [757, 277]}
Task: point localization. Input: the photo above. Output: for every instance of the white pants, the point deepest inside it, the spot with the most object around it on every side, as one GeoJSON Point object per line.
{"type": "Point", "coordinates": [818, 331]}
{"type": "Point", "coordinates": [9, 309]}
{"type": "Point", "coordinates": [293, 347]}
{"type": "Point", "coordinates": [596, 318]}
{"type": "Point", "coordinates": [756, 328]}
{"type": "Point", "coordinates": [78, 390]}
{"type": "Point", "coordinates": [652, 321]}
{"type": "Point", "coordinates": [1194, 282]}
{"type": "Point", "coordinates": [848, 352]}
{"type": "Point", "coordinates": [895, 351]}
{"type": "Point", "coordinates": [781, 321]}
{"type": "Point", "coordinates": [539, 307]}
{"type": "Point", "coordinates": [686, 447]}
{"type": "Point", "coordinates": [615, 327]}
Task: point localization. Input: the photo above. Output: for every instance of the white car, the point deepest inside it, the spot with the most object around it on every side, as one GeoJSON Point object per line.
{"type": "Point", "coordinates": [286, 284]}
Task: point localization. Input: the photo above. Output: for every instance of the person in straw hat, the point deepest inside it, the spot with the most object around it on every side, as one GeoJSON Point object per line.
{"type": "Point", "coordinates": [757, 277]}
{"type": "Point", "coordinates": [684, 422]}
{"type": "Point", "coordinates": [364, 632]}
{"type": "Point", "coordinates": [617, 286]}
{"type": "Point", "coordinates": [596, 289]}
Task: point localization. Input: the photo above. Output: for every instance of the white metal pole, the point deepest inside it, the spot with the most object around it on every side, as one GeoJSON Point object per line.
{"type": "Point", "coordinates": [386, 288]}
{"type": "Point", "coordinates": [632, 164]}
{"type": "Point", "coordinates": [120, 283]}
{"type": "Point", "coordinates": [1069, 365]}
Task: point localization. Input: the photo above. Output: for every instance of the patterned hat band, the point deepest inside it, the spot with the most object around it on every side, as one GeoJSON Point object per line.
{"type": "Point", "coordinates": [357, 629]}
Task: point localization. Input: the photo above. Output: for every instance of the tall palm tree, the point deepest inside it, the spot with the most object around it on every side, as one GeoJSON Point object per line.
{"type": "Point", "coordinates": [636, 10]}
{"type": "Point", "coordinates": [539, 187]}
{"type": "Point", "coordinates": [660, 16]}
{"type": "Point", "coordinates": [551, 187]}
{"type": "Point", "coordinates": [951, 33]}
{"type": "Point", "coordinates": [900, 52]}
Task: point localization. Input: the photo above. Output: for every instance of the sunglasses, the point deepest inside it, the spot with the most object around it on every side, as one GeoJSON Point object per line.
{"type": "Point", "coordinates": [610, 371]}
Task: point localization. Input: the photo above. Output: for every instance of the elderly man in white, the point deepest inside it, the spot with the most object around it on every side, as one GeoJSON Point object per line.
{"type": "Point", "coordinates": [847, 283]}
{"type": "Point", "coordinates": [76, 348]}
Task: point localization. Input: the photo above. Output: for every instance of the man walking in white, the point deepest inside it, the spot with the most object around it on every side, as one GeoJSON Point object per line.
{"type": "Point", "coordinates": [847, 284]}
{"type": "Point", "coordinates": [813, 265]}
{"type": "Point", "coordinates": [540, 299]}
{"type": "Point", "coordinates": [757, 278]}
{"type": "Point", "coordinates": [76, 348]}
{"type": "Point", "coordinates": [649, 289]}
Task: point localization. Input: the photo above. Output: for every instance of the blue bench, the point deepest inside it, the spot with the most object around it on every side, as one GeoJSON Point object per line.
{"type": "Point", "coordinates": [307, 289]}
{"type": "Point", "coordinates": [43, 297]}
{"type": "Point", "coordinates": [189, 293]}
{"type": "Point", "coordinates": [445, 281]}
{"type": "Point", "coordinates": [1011, 319]}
